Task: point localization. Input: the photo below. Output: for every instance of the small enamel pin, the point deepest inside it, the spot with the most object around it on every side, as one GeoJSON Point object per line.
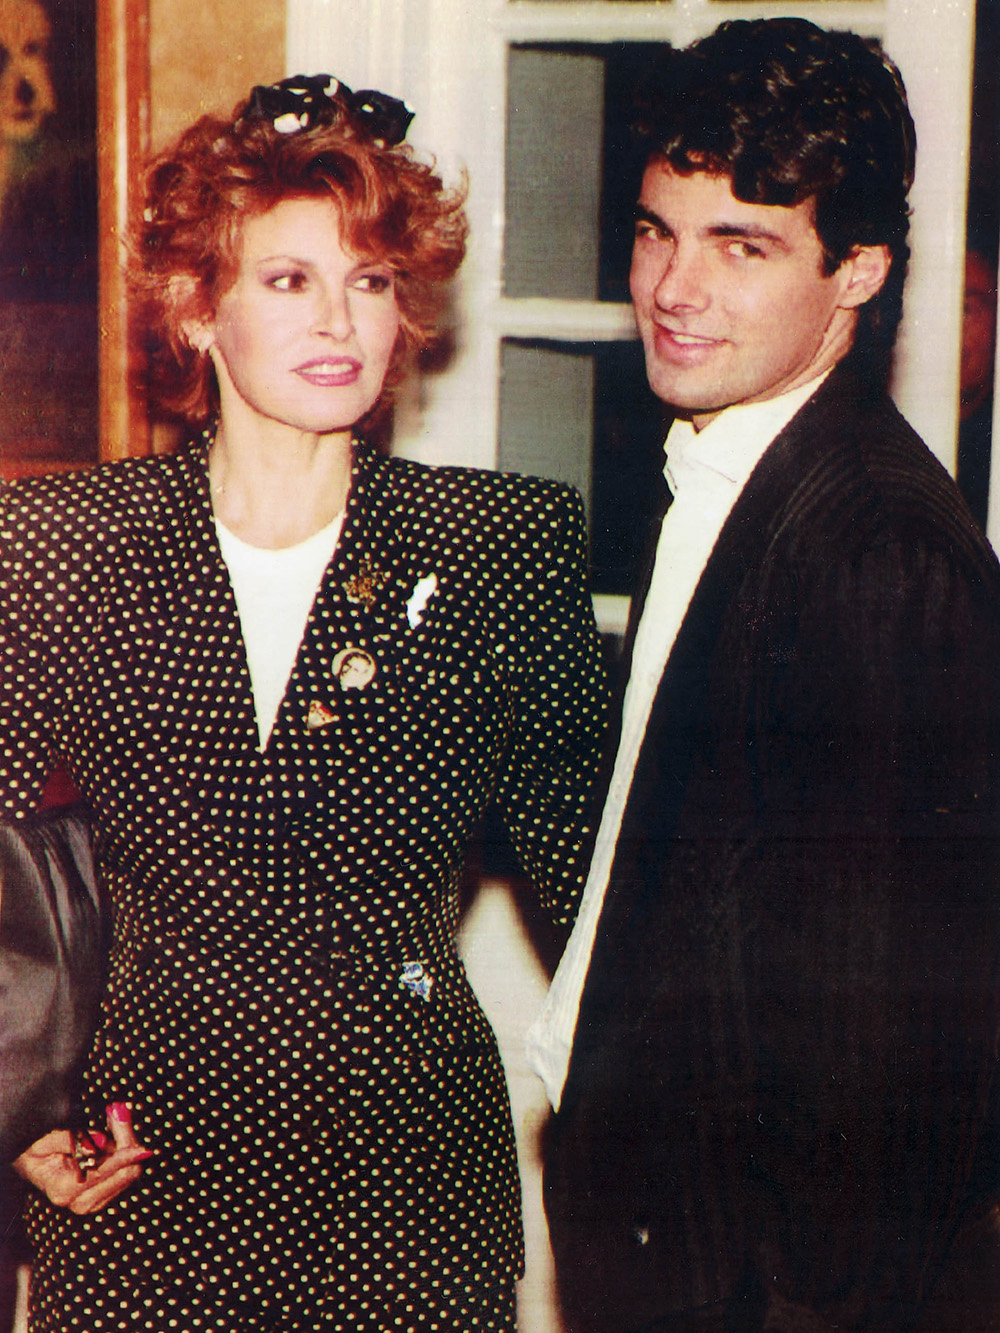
{"type": "Point", "coordinates": [418, 599]}
{"type": "Point", "coordinates": [417, 980]}
{"type": "Point", "coordinates": [318, 716]}
{"type": "Point", "coordinates": [363, 585]}
{"type": "Point", "coordinates": [353, 668]}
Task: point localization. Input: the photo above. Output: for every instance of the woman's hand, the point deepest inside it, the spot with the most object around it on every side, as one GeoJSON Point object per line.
{"type": "Point", "coordinates": [85, 1181]}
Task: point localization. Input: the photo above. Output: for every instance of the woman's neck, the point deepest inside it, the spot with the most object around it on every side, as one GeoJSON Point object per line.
{"type": "Point", "coordinates": [277, 492]}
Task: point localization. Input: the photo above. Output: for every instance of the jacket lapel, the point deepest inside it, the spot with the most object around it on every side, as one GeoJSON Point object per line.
{"type": "Point", "coordinates": [680, 722]}
{"type": "Point", "coordinates": [343, 686]}
{"type": "Point", "coordinates": [218, 749]}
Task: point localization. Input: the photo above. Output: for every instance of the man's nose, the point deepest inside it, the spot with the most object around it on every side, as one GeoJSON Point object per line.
{"type": "Point", "coordinates": [683, 282]}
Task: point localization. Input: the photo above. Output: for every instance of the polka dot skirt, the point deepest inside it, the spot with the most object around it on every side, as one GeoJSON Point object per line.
{"type": "Point", "coordinates": [286, 1010]}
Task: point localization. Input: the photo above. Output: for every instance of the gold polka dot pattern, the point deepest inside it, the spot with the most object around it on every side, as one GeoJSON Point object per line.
{"type": "Point", "coordinates": [286, 1010]}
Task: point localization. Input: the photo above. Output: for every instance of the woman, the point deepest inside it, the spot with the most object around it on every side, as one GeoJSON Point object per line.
{"type": "Point", "coordinates": [282, 823]}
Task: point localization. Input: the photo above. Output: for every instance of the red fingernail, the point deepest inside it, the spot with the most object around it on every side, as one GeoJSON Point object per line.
{"type": "Point", "coordinates": [100, 1140]}
{"type": "Point", "coordinates": [120, 1111]}
{"type": "Point", "coordinates": [144, 1156]}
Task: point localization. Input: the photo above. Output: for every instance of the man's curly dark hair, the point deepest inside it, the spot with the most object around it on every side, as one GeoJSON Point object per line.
{"type": "Point", "coordinates": [792, 112]}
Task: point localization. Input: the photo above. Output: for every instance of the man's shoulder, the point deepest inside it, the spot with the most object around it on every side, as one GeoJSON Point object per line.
{"type": "Point", "coordinates": [856, 475]}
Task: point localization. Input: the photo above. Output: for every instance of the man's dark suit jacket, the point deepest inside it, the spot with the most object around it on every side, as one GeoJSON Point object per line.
{"type": "Point", "coordinates": [787, 1041]}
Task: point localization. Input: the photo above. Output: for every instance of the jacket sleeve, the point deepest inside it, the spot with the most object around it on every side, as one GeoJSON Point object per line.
{"type": "Point", "coordinates": [36, 592]}
{"type": "Point", "coordinates": [560, 707]}
{"type": "Point", "coordinates": [871, 915]}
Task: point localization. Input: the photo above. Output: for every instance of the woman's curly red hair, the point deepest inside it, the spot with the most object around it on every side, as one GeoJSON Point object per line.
{"type": "Point", "coordinates": [392, 208]}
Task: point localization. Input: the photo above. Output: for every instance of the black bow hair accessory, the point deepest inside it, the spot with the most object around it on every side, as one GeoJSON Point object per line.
{"type": "Point", "coordinates": [308, 100]}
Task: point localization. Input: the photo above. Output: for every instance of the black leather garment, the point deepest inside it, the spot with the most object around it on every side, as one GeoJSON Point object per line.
{"type": "Point", "coordinates": [53, 950]}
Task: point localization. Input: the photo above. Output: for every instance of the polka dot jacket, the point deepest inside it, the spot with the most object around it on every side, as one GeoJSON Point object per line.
{"type": "Point", "coordinates": [285, 1007]}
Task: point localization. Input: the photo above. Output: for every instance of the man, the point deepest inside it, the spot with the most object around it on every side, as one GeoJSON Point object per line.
{"type": "Point", "coordinates": [781, 1042]}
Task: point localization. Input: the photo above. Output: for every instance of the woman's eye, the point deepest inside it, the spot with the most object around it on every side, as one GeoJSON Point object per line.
{"type": "Point", "coordinates": [376, 283]}
{"type": "Point", "coordinates": [287, 282]}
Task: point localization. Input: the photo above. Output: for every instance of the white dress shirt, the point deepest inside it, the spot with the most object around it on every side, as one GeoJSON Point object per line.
{"type": "Point", "coordinates": [706, 471]}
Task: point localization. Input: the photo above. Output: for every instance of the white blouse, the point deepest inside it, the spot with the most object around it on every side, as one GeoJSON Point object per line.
{"type": "Point", "coordinates": [275, 591]}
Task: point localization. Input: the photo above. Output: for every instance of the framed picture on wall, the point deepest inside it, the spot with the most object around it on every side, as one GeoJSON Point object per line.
{"type": "Point", "coordinates": [72, 91]}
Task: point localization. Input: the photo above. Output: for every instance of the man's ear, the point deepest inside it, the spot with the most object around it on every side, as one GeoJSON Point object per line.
{"type": "Point", "coordinates": [864, 271]}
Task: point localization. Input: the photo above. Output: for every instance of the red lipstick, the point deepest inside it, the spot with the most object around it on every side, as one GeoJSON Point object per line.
{"type": "Point", "coordinates": [330, 372]}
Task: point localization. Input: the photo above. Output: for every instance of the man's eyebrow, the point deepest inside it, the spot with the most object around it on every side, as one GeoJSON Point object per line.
{"type": "Point", "coordinates": [739, 231]}
{"type": "Point", "coordinates": [644, 214]}
{"type": "Point", "coordinates": [746, 232]}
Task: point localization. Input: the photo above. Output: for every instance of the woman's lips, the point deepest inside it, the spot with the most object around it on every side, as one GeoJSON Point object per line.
{"type": "Point", "coordinates": [330, 372]}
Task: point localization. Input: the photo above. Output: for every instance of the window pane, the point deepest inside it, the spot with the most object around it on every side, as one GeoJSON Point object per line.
{"type": "Point", "coordinates": [572, 171]}
{"type": "Point", "coordinates": [546, 411]}
{"type": "Point", "coordinates": [554, 131]}
{"type": "Point", "coordinates": [584, 414]}
{"type": "Point", "coordinates": [626, 65]}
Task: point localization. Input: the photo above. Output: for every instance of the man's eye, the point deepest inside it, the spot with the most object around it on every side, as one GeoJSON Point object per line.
{"type": "Point", "coordinates": [745, 250]}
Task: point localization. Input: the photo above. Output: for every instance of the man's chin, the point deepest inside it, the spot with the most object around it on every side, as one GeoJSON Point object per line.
{"type": "Point", "coordinates": [685, 403]}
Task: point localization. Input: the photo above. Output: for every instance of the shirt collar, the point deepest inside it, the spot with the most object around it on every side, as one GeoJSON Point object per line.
{"type": "Point", "coordinates": [733, 443]}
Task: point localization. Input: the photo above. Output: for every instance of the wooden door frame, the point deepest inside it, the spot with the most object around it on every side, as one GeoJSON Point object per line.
{"type": "Point", "coordinates": [122, 145]}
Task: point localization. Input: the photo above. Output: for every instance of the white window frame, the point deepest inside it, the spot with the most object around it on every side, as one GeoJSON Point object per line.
{"type": "Point", "coordinates": [448, 59]}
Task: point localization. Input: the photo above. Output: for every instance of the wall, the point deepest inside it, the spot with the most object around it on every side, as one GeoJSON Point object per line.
{"type": "Point", "coordinates": [205, 57]}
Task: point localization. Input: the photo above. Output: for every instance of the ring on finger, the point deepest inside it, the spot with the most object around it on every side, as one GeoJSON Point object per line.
{"type": "Point", "coordinates": [84, 1151]}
